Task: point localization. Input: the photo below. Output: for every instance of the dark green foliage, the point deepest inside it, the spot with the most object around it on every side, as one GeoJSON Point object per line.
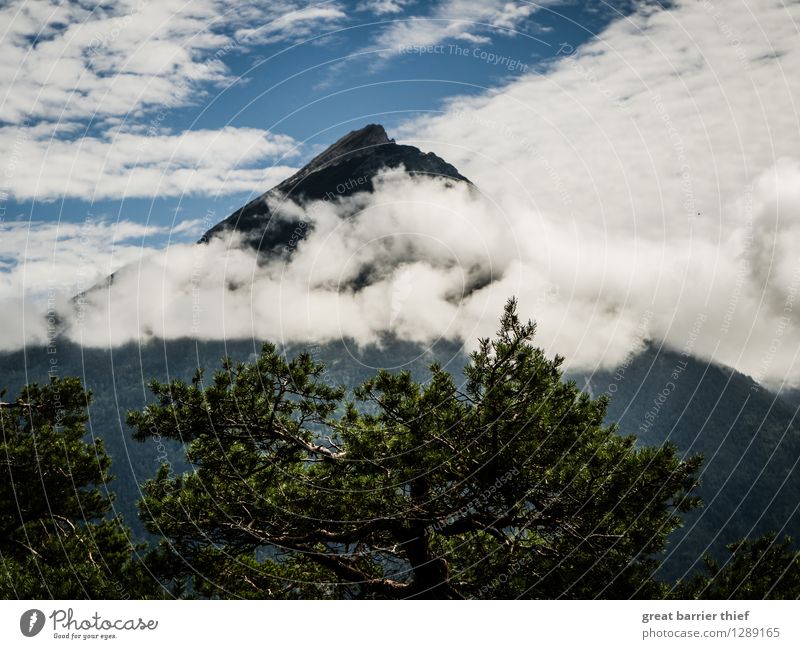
{"type": "Point", "coordinates": [55, 541]}
{"type": "Point", "coordinates": [748, 481]}
{"type": "Point", "coordinates": [117, 379]}
{"type": "Point", "coordinates": [510, 487]}
{"type": "Point", "coordinates": [760, 569]}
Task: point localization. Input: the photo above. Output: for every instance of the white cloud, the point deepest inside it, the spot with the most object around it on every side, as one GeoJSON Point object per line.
{"type": "Point", "coordinates": [43, 265]}
{"type": "Point", "coordinates": [82, 84]}
{"type": "Point", "coordinates": [469, 20]}
{"type": "Point", "coordinates": [300, 22]}
{"type": "Point", "coordinates": [67, 61]}
{"type": "Point", "coordinates": [653, 169]}
{"type": "Point", "coordinates": [423, 247]}
{"type": "Point", "coordinates": [419, 262]}
{"type": "Point", "coordinates": [125, 165]}
{"type": "Point", "coordinates": [384, 7]}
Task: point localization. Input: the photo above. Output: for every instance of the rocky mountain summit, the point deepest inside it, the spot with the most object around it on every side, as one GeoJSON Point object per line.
{"type": "Point", "coordinates": [348, 166]}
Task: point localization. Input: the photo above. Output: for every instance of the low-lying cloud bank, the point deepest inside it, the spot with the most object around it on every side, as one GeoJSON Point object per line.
{"type": "Point", "coordinates": [423, 261]}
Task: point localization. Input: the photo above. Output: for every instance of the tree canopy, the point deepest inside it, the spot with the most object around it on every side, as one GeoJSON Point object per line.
{"type": "Point", "coordinates": [56, 539]}
{"type": "Point", "coordinates": [510, 485]}
{"type": "Point", "coordinates": [766, 568]}
{"type": "Point", "coordinates": [507, 484]}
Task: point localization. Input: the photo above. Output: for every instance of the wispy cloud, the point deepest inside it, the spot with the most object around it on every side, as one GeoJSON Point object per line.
{"type": "Point", "coordinates": [474, 21]}
{"type": "Point", "coordinates": [297, 22]}
{"type": "Point", "coordinates": [87, 90]}
{"type": "Point", "coordinates": [384, 7]}
{"type": "Point", "coordinates": [69, 60]}
{"type": "Point", "coordinates": [125, 165]}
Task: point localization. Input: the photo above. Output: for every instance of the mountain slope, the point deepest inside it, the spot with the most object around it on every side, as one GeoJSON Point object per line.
{"type": "Point", "coordinates": [748, 436]}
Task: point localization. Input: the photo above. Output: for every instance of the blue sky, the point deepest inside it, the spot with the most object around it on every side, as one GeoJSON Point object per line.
{"type": "Point", "coordinates": [324, 69]}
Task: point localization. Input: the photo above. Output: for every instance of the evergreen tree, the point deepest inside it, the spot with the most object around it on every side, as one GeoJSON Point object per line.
{"type": "Point", "coordinates": [762, 569]}
{"type": "Point", "coordinates": [511, 485]}
{"type": "Point", "coordinates": [56, 540]}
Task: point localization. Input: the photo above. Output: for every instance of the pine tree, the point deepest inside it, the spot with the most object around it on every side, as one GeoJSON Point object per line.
{"type": "Point", "coordinates": [56, 539]}
{"type": "Point", "coordinates": [511, 485]}
{"type": "Point", "coordinates": [761, 569]}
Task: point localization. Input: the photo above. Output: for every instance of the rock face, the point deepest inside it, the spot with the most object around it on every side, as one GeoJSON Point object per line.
{"type": "Point", "coordinates": [346, 167]}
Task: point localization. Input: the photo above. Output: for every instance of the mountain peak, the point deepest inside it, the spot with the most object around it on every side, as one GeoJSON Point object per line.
{"type": "Point", "coordinates": [357, 142]}
{"type": "Point", "coordinates": [370, 135]}
{"type": "Point", "coordinates": [346, 167]}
